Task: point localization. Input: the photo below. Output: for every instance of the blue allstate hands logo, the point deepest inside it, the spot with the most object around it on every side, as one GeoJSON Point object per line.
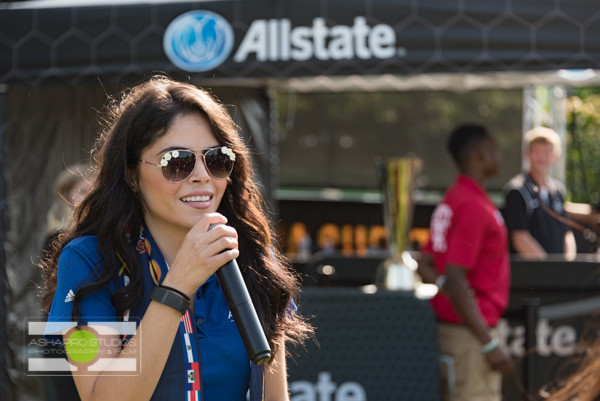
{"type": "Point", "coordinates": [198, 41]}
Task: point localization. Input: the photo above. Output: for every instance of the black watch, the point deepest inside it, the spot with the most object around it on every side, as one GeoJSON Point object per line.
{"type": "Point", "coordinates": [170, 299]}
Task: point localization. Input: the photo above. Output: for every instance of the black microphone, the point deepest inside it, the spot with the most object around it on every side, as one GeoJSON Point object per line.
{"type": "Point", "coordinates": [239, 302]}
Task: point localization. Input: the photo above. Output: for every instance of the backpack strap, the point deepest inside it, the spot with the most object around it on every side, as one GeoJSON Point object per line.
{"type": "Point", "coordinates": [528, 191]}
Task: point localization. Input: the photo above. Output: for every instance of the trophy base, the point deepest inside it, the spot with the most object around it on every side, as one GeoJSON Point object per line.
{"type": "Point", "coordinates": [393, 276]}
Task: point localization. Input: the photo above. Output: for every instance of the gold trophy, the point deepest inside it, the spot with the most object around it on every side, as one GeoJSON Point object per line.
{"type": "Point", "coordinates": [397, 177]}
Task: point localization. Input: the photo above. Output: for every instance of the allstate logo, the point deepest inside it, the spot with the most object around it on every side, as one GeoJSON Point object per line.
{"type": "Point", "coordinates": [198, 41]}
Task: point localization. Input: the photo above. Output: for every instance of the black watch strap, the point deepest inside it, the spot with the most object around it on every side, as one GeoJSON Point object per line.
{"type": "Point", "coordinates": [170, 299]}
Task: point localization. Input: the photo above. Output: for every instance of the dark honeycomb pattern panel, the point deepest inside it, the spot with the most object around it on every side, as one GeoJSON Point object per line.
{"type": "Point", "coordinates": [386, 342]}
{"type": "Point", "coordinates": [76, 43]}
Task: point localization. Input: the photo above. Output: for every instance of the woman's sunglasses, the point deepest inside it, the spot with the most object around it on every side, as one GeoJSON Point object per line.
{"type": "Point", "coordinates": [178, 165]}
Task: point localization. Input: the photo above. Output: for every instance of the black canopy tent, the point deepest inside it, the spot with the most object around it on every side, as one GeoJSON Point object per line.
{"type": "Point", "coordinates": [53, 52]}
{"type": "Point", "coordinates": [72, 41]}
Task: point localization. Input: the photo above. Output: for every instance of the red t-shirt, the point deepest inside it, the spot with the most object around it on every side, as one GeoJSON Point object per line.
{"type": "Point", "coordinates": [468, 230]}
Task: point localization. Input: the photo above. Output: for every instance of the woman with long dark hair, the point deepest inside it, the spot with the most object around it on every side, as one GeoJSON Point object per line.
{"type": "Point", "coordinates": [174, 200]}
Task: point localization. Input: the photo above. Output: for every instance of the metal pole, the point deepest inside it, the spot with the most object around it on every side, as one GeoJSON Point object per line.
{"type": "Point", "coordinates": [3, 280]}
{"type": "Point", "coordinates": [531, 308]}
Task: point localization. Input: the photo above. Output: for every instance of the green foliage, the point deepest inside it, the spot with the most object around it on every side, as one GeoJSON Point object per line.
{"type": "Point", "coordinates": [583, 145]}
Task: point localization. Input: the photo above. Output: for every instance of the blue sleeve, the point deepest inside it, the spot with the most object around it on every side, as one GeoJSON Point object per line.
{"type": "Point", "coordinates": [76, 268]}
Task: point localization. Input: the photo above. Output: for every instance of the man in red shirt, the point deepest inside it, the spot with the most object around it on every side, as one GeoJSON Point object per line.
{"type": "Point", "coordinates": [467, 257]}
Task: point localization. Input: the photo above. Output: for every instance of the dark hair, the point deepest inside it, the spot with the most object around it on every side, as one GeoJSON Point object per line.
{"type": "Point", "coordinates": [113, 208]}
{"type": "Point", "coordinates": [464, 140]}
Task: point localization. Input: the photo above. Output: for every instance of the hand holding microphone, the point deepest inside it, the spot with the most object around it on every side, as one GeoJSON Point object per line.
{"type": "Point", "coordinates": [241, 306]}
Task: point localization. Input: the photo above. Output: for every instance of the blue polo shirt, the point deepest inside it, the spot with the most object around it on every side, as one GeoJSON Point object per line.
{"type": "Point", "coordinates": [225, 364]}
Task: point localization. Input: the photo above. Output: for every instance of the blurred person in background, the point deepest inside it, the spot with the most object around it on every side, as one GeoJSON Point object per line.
{"type": "Point", "coordinates": [534, 202]}
{"type": "Point", "coordinates": [70, 187]}
{"type": "Point", "coordinates": [466, 256]}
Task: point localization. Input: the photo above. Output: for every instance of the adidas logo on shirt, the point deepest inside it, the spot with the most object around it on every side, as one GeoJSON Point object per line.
{"type": "Point", "coordinates": [70, 296]}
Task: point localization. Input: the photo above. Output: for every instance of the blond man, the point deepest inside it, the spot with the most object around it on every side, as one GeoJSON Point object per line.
{"type": "Point", "coordinates": [533, 210]}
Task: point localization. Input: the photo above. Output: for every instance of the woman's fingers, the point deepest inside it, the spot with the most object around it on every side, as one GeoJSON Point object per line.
{"type": "Point", "coordinates": [203, 252]}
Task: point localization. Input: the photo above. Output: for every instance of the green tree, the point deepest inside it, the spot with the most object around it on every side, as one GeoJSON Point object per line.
{"type": "Point", "coordinates": [583, 145]}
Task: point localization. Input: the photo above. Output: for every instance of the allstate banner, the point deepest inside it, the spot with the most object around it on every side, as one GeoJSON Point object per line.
{"type": "Point", "coordinates": [287, 38]}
